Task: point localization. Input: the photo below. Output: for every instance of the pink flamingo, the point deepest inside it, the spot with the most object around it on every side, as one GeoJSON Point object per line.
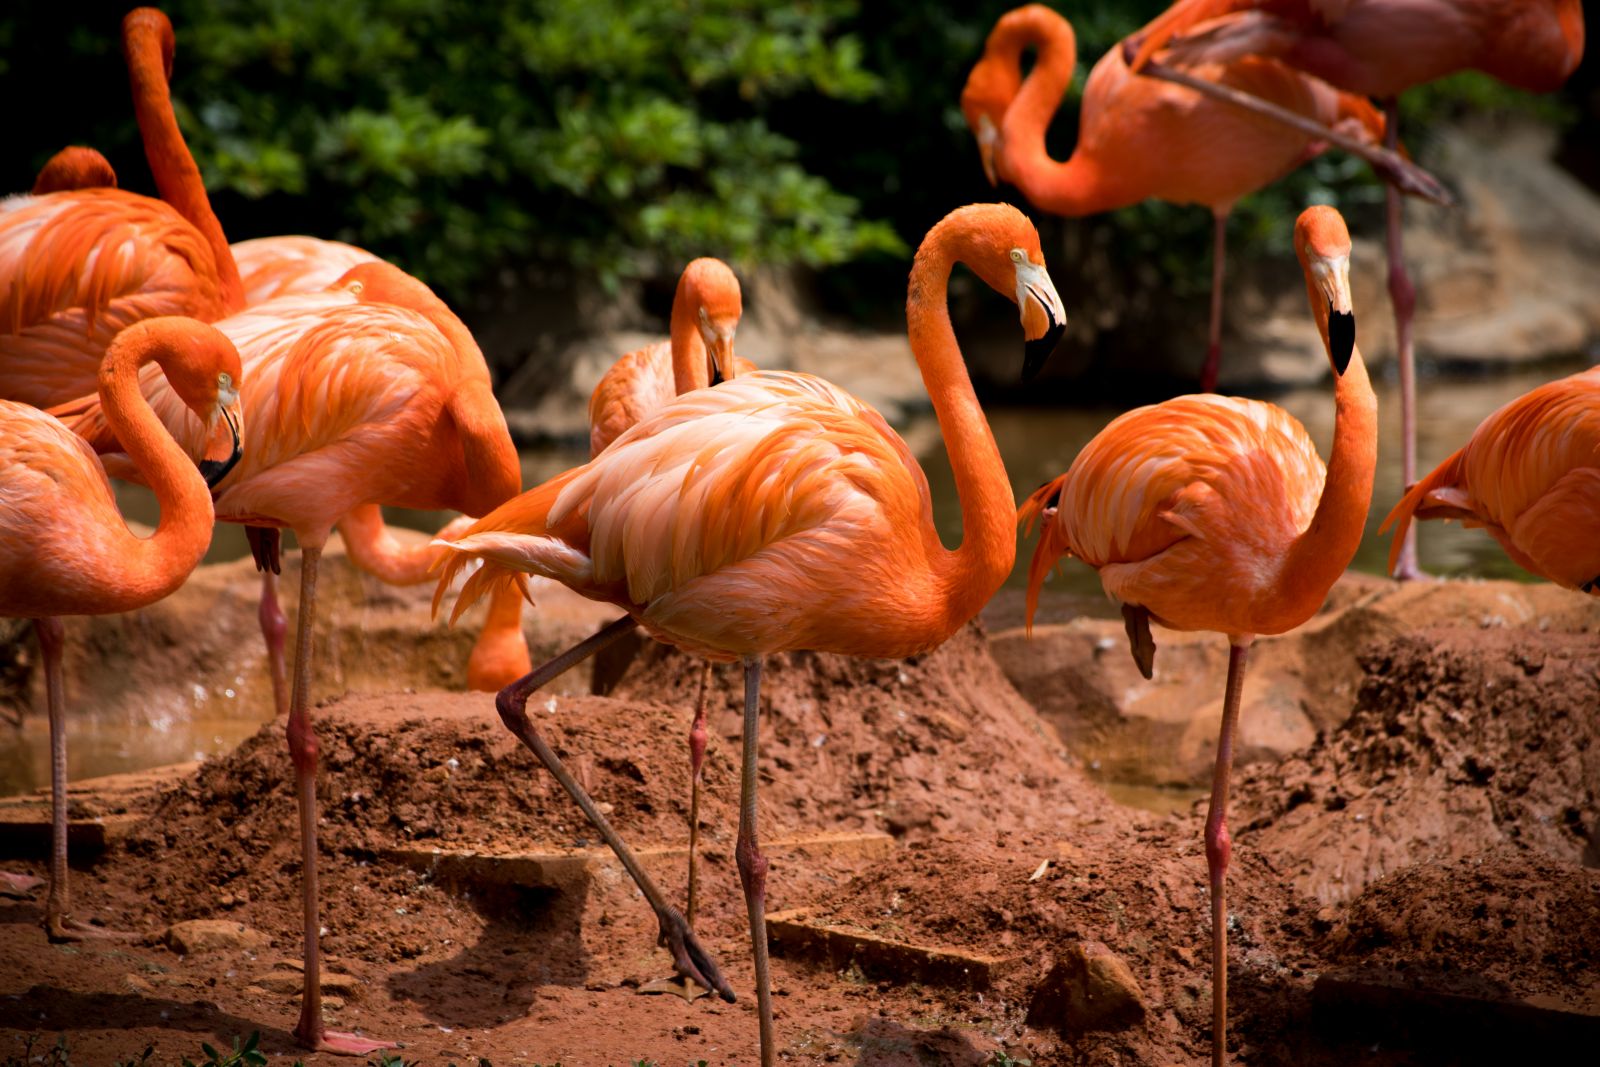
{"type": "Point", "coordinates": [1380, 48]}
{"type": "Point", "coordinates": [64, 549]}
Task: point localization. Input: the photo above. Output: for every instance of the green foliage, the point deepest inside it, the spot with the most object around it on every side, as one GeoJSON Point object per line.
{"type": "Point", "coordinates": [1000, 1058]}
{"type": "Point", "coordinates": [245, 1055]}
{"type": "Point", "coordinates": [614, 139]}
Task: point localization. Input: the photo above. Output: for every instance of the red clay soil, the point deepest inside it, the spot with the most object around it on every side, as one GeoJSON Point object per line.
{"type": "Point", "coordinates": [939, 752]}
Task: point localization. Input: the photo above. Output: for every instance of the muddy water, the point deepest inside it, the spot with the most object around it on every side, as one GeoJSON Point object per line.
{"type": "Point", "coordinates": [1037, 444]}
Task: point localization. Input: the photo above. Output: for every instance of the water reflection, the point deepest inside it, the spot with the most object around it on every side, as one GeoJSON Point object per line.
{"type": "Point", "coordinates": [1037, 444]}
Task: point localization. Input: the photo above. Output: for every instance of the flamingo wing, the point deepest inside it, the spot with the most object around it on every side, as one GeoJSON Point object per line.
{"type": "Point", "coordinates": [78, 267]}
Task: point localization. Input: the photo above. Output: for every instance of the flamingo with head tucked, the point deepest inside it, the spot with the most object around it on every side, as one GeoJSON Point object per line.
{"type": "Point", "coordinates": [777, 512]}
{"type": "Point", "coordinates": [64, 548]}
{"type": "Point", "coordinates": [1140, 139]}
{"type": "Point", "coordinates": [1215, 513]}
{"type": "Point", "coordinates": [1380, 48]}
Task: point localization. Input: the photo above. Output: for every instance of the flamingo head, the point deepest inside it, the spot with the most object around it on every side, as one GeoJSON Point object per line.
{"type": "Point", "coordinates": [144, 24]}
{"type": "Point", "coordinates": [718, 305]}
{"type": "Point", "coordinates": [75, 167]}
{"type": "Point", "coordinates": [999, 243]}
{"type": "Point", "coordinates": [990, 88]}
{"type": "Point", "coordinates": [202, 366]}
{"type": "Point", "coordinates": [1322, 241]}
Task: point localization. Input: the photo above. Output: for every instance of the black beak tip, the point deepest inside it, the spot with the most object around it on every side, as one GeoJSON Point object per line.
{"type": "Point", "coordinates": [213, 471]}
{"type": "Point", "coordinates": [1341, 339]}
{"type": "Point", "coordinates": [1036, 354]}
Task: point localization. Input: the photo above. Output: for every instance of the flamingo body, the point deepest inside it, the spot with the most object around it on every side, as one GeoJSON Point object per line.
{"type": "Point", "coordinates": [282, 266]}
{"type": "Point", "coordinates": [1383, 47]}
{"type": "Point", "coordinates": [1530, 476]}
{"type": "Point", "coordinates": [78, 267]}
{"type": "Point", "coordinates": [636, 385]}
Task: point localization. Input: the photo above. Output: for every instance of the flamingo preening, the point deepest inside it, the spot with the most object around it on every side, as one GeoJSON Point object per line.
{"type": "Point", "coordinates": [1380, 48]}
{"type": "Point", "coordinates": [64, 548]}
{"type": "Point", "coordinates": [776, 512]}
{"type": "Point", "coordinates": [1141, 139]}
{"type": "Point", "coordinates": [1215, 513]}
{"type": "Point", "coordinates": [697, 353]}
{"type": "Point", "coordinates": [1530, 476]}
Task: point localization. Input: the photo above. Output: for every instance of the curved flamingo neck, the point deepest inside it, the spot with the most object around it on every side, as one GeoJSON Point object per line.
{"type": "Point", "coordinates": [147, 47]}
{"type": "Point", "coordinates": [1072, 187]}
{"type": "Point", "coordinates": [969, 575]}
{"type": "Point", "coordinates": [152, 567]}
{"type": "Point", "coordinates": [1322, 552]}
{"type": "Point", "coordinates": [689, 356]}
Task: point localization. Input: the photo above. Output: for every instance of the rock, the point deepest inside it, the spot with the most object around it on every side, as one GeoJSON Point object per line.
{"type": "Point", "coordinates": [210, 935]}
{"type": "Point", "coordinates": [1082, 680]}
{"type": "Point", "coordinates": [1089, 988]}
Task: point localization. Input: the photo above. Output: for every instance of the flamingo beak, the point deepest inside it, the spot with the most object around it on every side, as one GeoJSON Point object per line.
{"type": "Point", "coordinates": [1332, 275]}
{"type": "Point", "coordinates": [718, 337]}
{"type": "Point", "coordinates": [988, 135]}
{"type": "Point", "coordinates": [1044, 319]}
{"type": "Point", "coordinates": [213, 471]}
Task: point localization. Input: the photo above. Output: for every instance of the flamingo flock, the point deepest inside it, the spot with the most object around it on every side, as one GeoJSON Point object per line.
{"type": "Point", "coordinates": [302, 384]}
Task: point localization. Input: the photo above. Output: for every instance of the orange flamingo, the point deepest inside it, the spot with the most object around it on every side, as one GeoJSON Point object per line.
{"type": "Point", "coordinates": [77, 266]}
{"type": "Point", "coordinates": [1139, 139]}
{"type": "Point", "coordinates": [74, 167]}
{"type": "Point", "coordinates": [282, 266]}
{"type": "Point", "coordinates": [370, 393]}
{"type": "Point", "coordinates": [1530, 475]}
{"type": "Point", "coordinates": [64, 549]}
{"type": "Point", "coordinates": [777, 512]}
{"type": "Point", "coordinates": [705, 313]}
{"type": "Point", "coordinates": [1215, 513]}
{"type": "Point", "coordinates": [1380, 48]}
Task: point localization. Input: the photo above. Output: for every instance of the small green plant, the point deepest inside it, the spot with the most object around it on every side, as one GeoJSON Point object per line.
{"type": "Point", "coordinates": [394, 1059]}
{"type": "Point", "coordinates": [141, 1060]}
{"type": "Point", "coordinates": [1002, 1058]}
{"type": "Point", "coordinates": [245, 1055]}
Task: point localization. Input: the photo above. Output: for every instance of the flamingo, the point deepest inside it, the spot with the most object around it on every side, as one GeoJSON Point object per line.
{"type": "Point", "coordinates": [1530, 475]}
{"type": "Point", "coordinates": [1139, 139]}
{"type": "Point", "coordinates": [77, 266]}
{"type": "Point", "coordinates": [772, 513]}
{"type": "Point", "coordinates": [1380, 48]}
{"type": "Point", "coordinates": [1215, 513]}
{"type": "Point", "coordinates": [64, 549]}
{"type": "Point", "coordinates": [705, 313]}
{"type": "Point", "coordinates": [372, 392]}
{"type": "Point", "coordinates": [74, 167]}
{"type": "Point", "coordinates": [281, 266]}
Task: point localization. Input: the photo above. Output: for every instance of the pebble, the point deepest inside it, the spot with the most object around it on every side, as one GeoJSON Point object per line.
{"type": "Point", "coordinates": [208, 935]}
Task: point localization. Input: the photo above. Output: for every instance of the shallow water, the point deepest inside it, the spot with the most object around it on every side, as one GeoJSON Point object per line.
{"type": "Point", "coordinates": [1037, 444]}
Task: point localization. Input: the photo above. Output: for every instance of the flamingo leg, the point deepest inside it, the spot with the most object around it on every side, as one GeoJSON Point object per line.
{"type": "Point", "coordinates": [58, 922]}
{"type": "Point", "coordinates": [1219, 259]}
{"type": "Point", "coordinates": [264, 546]}
{"type": "Point", "coordinates": [1389, 164]}
{"type": "Point", "coordinates": [690, 958]}
{"type": "Point", "coordinates": [752, 864]}
{"type": "Point", "coordinates": [1219, 846]}
{"type": "Point", "coordinates": [310, 1031]}
{"type": "Point", "coordinates": [697, 756]}
{"type": "Point", "coordinates": [1404, 297]}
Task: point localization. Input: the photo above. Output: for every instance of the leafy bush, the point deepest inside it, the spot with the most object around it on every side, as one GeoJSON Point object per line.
{"type": "Point", "coordinates": [610, 139]}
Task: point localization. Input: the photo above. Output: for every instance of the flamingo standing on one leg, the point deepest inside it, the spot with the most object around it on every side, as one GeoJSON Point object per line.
{"type": "Point", "coordinates": [1214, 513]}
{"type": "Point", "coordinates": [776, 512]}
{"type": "Point", "coordinates": [705, 313]}
{"type": "Point", "coordinates": [1380, 48]}
{"type": "Point", "coordinates": [64, 549]}
{"type": "Point", "coordinates": [1139, 139]}
{"type": "Point", "coordinates": [1530, 475]}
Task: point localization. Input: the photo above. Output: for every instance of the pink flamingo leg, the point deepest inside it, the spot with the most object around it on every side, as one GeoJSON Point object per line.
{"type": "Point", "coordinates": [689, 956]}
{"type": "Point", "coordinates": [752, 864]}
{"type": "Point", "coordinates": [1404, 297]}
{"type": "Point", "coordinates": [310, 1031]}
{"type": "Point", "coordinates": [1219, 258]}
{"type": "Point", "coordinates": [697, 756]}
{"type": "Point", "coordinates": [1219, 846]}
{"type": "Point", "coordinates": [265, 545]}
{"type": "Point", "coordinates": [58, 922]}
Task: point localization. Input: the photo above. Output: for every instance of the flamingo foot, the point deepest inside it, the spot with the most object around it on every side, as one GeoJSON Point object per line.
{"type": "Point", "coordinates": [689, 957]}
{"type": "Point", "coordinates": [18, 886]}
{"type": "Point", "coordinates": [342, 1043]}
{"type": "Point", "coordinates": [678, 985]}
{"type": "Point", "coordinates": [61, 929]}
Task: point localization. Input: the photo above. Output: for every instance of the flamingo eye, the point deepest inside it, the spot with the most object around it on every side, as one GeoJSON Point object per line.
{"type": "Point", "coordinates": [224, 381]}
{"type": "Point", "coordinates": [1017, 255]}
